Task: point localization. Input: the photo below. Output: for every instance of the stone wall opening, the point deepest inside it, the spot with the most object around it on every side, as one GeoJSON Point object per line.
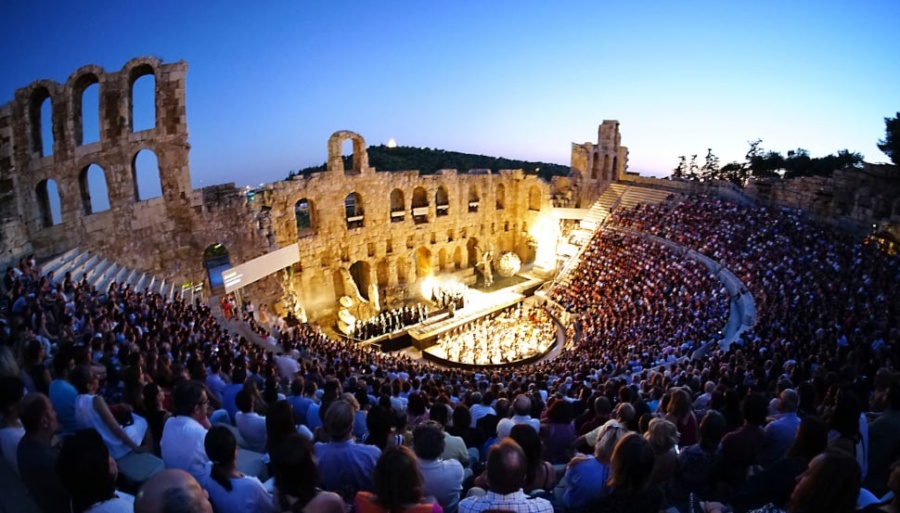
{"type": "Point", "coordinates": [94, 191]}
{"type": "Point", "coordinates": [398, 206]}
{"type": "Point", "coordinates": [501, 196]}
{"type": "Point", "coordinates": [424, 267]}
{"type": "Point", "coordinates": [360, 272]}
{"type": "Point", "coordinates": [534, 198]}
{"type": "Point", "coordinates": [458, 258]}
{"type": "Point", "coordinates": [472, 251]}
{"type": "Point", "coordinates": [353, 208]}
{"type": "Point", "coordinates": [305, 217]}
{"type": "Point", "coordinates": [442, 201]}
{"type": "Point", "coordinates": [49, 208]}
{"type": "Point", "coordinates": [40, 114]}
{"type": "Point", "coordinates": [146, 174]}
{"type": "Point", "coordinates": [215, 260]}
{"type": "Point", "coordinates": [86, 109]}
{"type": "Point", "coordinates": [474, 199]}
{"type": "Point", "coordinates": [420, 205]}
{"type": "Point", "coordinates": [143, 98]}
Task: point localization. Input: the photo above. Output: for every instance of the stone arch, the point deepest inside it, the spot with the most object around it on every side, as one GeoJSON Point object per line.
{"type": "Point", "coordinates": [606, 167]}
{"type": "Point", "coordinates": [442, 259]}
{"type": "Point", "coordinates": [474, 198]}
{"type": "Point", "coordinates": [534, 198]}
{"type": "Point", "coordinates": [501, 196]}
{"type": "Point", "coordinates": [420, 205]}
{"type": "Point", "coordinates": [93, 185]}
{"type": "Point", "coordinates": [353, 208]}
{"type": "Point", "coordinates": [305, 217]}
{"type": "Point", "coordinates": [78, 84]}
{"type": "Point", "coordinates": [360, 155]}
{"type": "Point", "coordinates": [215, 260]}
{"type": "Point", "coordinates": [442, 201]}
{"type": "Point", "coordinates": [360, 272]}
{"type": "Point", "coordinates": [424, 265]}
{"type": "Point", "coordinates": [458, 261]}
{"type": "Point", "coordinates": [36, 114]}
{"type": "Point", "coordinates": [137, 70]}
{"type": "Point", "coordinates": [398, 206]}
{"type": "Point", "coordinates": [146, 175]}
{"type": "Point", "coordinates": [382, 273]}
{"type": "Point", "coordinates": [595, 165]}
{"type": "Point", "coordinates": [48, 203]}
{"type": "Point", "coordinates": [402, 271]}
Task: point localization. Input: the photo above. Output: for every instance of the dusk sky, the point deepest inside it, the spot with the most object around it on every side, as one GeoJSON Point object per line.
{"type": "Point", "coordinates": [268, 84]}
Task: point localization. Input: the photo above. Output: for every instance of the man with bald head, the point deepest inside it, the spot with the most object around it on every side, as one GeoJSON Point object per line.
{"type": "Point", "coordinates": [506, 470]}
{"type": "Point", "coordinates": [172, 491]}
{"type": "Point", "coordinates": [781, 432]}
{"type": "Point", "coordinates": [521, 407]}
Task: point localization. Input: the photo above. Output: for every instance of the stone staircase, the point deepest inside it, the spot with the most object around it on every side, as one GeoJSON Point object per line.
{"type": "Point", "coordinates": [634, 195]}
{"type": "Point", "coordinates": [102, 272]}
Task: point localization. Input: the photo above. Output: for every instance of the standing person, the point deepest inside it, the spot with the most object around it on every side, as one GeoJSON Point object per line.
{"type": "Point", "coordinates": [398, 485]}
{"type": "Point", "coordinates": [37, 456]}
{"type": "Point", "coordinates": [230, 491]}
{"type": "Point", "coordinates": [506, 470]}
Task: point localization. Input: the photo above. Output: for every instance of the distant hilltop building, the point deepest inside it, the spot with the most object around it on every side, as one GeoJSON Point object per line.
{"type": "Point", "coordinates": [348, 231]}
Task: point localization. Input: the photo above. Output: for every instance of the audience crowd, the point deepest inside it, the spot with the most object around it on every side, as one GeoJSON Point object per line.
{"type": "Point", "coordinates": [118, 400]}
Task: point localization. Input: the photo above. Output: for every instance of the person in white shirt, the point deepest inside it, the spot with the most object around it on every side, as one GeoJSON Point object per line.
{"type": "Point", "coordinates": [183, 435]}
{"type": "Point", "coordinates": [522, 415]}
{"type": "Point", "coordinates": [251, 425]}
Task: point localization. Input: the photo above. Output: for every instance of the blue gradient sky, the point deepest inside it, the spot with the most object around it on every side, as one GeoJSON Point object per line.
{"type": "Point", "coordinates": [268, 85]}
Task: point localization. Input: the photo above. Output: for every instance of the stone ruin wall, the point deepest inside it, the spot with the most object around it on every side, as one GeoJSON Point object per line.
{"type": "Point", "coordinates": [165, 235]}
{"type": "Point", "coordinates": [594, 166]}
{"type": "Point", "coordinates": [390, 251]}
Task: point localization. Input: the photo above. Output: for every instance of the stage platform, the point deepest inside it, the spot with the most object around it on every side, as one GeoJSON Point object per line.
{"type": "Point", "coordinates": [479, 305]}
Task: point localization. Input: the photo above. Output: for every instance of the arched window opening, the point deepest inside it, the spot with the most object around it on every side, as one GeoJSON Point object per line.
{"type": "Point", "coordinates": [595, 165]}
{"type": "Point", "coordinates": [146, 174]}
{"type": "Point", "coordinates": [86, 108]}
{"type": "Point", "coordinates": [94, 193]}
{"type": "Point", "coordinates": [420, 205]}
{"type": "Point", "coordinates": [398, 206]}
{"type": "Point", "coordinates": [534, 198]}
{"type": "Point", "coordinates": [216, 260]}
{"type": "Point", "coordinates": [473, 199]}
{"type": "Point", "coordinates": [143, 99]}
{"type": "Point", "coordinates": [442, 201]}
{"type": "Point", "coordinates": [41, 117]}
{"type": "Point", "coordinates": [49, 207]}
{"type": "Point", "coordinates": [350, 167]}
{"type": "Point", "coordinates": [303, 211]}
{"type": "Point", "coordinates": [361, 273]}
{"type": "Point", "coordinates": [606, 168]}
{"type": "Point", "coordinates": [354, 210]}
{"type": "Point", "coordinates": [501, 196]}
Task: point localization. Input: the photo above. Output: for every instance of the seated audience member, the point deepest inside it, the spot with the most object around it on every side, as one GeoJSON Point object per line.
{"type": "Point", "coordinates": [521, 407]}
{"type": "Point", "coordinates": [62, 394]}
{"type": "Point", "coordinates": [172, 490]}
{"type": "Point", "coordinates": [541, 475]}
{"type": "Point", "coordinates": [680, 413]}
{"type": "Point", "coordinates": [891, 505]}
{"type": "Point", "coordinates": [125, 444]}
{"type": "Point", "coordinates": [184, 434]}
{"type": "Point", "coordinates": [280, 422]}
{"type": "Point", "coordinates": [345, 466]}
{"type": "Point", "coordinates": [88, 473]}
{"type": "Point", "coordinates": [558, 432]}
{"type": "Point", "coordinates": [297, 479]}
{"type": "Point", "coordinates": [586, 476]}
{"type": "Point", "coordinates": [380, 423]}
{"type": "Point", "coordinates": [830, 484]}
{"type": "Point", "coordinates": [37, 456]}
{"type": "Point", "coordinates": [884, 443]}
{"type": "Point", "coordinates": [780, 433]}
{"type": "Point", "coordinates": [775, 484]}
{"type": "Point", "coordinates": [698, 463]}
{"type": "Point", "coordinates": [230, 491]}
{"type": "Point", "coordinates": [506, 470]}
{"type": "Point", "coordinates": [663, 437]}
{"type": "Point", "coordinates": [154, 412]}
{"type": "Point", "coordinates": [251, 425]}
{"type": "Point", "coordinates": [11, 431]}
{"type": "Point", "coordinates": [454, 446]}
{"type": "Point", "coordinates": [442, 479]}
{"type": "Point", "coordinates": [397, 484]}
{"type": "Point", "coordinates": [741, 447]}
{"type": "Point", "coordinates": [629, 479]}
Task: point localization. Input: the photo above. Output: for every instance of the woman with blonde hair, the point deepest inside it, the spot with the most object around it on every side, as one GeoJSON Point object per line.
{"type": "Point", "coordinates": [663, 438]}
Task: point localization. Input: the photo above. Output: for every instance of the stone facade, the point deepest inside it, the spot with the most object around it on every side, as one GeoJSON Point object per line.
{"type": "Point", "coordinates": [594, 166]}
{"type": "Point", "coordinates": [387, 229]}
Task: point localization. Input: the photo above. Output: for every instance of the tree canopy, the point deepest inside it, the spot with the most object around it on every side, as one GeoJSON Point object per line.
{"type": "Point", "coordinates": [890, 145]}
{"type": "Point", "coordinates": [429, 161]}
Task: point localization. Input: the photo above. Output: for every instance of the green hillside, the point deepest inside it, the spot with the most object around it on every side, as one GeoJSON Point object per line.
{"type": "Point", "coordinates": [429, 161]}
